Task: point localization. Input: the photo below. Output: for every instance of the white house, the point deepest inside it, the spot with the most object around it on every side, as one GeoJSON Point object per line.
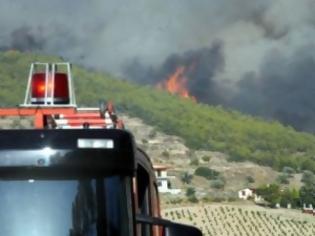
{"type": "Point", "coordinates": [163, 180]}
{"type": "Point", "coordinates": [247, 193]}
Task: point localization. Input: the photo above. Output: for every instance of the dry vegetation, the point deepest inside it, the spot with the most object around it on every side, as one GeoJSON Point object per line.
{"type": "Point", "coordinates": [234, 220]}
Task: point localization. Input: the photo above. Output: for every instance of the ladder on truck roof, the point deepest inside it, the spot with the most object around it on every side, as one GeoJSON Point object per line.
{"type": "Point", "coordinates": [86, 118]}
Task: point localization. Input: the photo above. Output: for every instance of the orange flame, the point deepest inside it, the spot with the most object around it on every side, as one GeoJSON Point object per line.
{"type": "Point", "coordinates": [177, 83]}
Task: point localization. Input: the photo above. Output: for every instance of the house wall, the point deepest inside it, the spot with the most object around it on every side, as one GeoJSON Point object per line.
{"type": "Point", "coordinates": [163, 179]}
{"type": "Point", "coordinates": [245, 194]}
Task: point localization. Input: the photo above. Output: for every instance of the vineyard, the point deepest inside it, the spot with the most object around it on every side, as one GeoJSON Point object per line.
{"type": "Point", "coordinates": [227, 220]}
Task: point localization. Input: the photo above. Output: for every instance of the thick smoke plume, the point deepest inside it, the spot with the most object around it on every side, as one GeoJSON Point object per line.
{"type": "Point", "coordinates": [283, 89]}
{"type": "Point", "coordinates": [262, 65]}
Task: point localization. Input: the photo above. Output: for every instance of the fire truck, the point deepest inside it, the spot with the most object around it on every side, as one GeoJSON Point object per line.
{"type": "Point", "coordinates": [74, 171]}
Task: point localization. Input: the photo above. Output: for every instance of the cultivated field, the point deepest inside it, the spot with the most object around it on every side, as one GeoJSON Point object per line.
{"type": "Point", "coordinates": [234, 220]}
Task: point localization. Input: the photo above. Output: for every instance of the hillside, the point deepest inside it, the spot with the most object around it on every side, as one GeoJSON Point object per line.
{"type": "Point", "coordinates": [200, 126]}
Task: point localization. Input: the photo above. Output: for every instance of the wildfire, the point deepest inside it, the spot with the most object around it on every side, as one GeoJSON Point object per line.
{"type": "Point", "coordinates": [177, 83]}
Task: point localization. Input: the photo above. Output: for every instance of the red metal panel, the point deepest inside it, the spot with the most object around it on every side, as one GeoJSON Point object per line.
{"type": "Point", "coordinates": [37, 112]}
{"type": "Point", "coordinates": [31, 111]}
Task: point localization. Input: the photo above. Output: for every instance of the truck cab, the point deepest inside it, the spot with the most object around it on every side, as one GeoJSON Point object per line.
{"type": "Point", "coordinates": [75, 172]}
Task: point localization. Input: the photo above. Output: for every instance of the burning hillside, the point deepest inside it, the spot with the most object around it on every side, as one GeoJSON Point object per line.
{"type": "Point", "coordinates": [177, 83]}
{"type": "Point", "coordinates": [191, 75]}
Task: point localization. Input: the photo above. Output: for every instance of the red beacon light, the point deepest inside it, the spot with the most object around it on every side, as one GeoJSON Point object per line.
{"type": "Point", "coordinates": [57, 86]}
{"type": "Point", "coordinates": [38, 87]}
{"type": "Point", "coordinates": [49, 87]}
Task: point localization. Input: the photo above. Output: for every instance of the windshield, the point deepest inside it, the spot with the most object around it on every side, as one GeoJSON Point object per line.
{"type": "Point", "coordinates": [73, 207]}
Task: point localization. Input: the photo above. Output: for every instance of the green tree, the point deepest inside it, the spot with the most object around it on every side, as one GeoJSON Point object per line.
{"type": "Point", "coordinates": [307, 194]}
{"type": "Point", "coordinates": [296, 198]}
{"type": "Point", "coordinates": [271, 193]}
{"type": "Point", "coordinates": [308, 177]}
{"type": "Point", "coordinates": [287, 198]}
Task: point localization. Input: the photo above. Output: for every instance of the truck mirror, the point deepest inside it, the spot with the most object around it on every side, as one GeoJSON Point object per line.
{"type": "Point", "coordinates": [176, 229]}
{"type": "Point", "coordinates": [169, 228]}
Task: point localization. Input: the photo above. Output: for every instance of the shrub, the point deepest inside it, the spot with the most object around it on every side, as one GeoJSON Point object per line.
{"type": "Point", "coordinates": [206, 199]}
{"type": "Point", "coordinates": [308, 177]}
{"type": "Point", "coordinates": [218, 184]}
{"type": "Point", "coordinates": [250, 179]}
{"type": "Point", "coordinates": [218, 199]}
{"type": "Point", "coordinates": [194, 162]}
{"type": "Point", "coordinates": [186, 178]}
{"type": "Point", "coordinates": [190, 192]}
{"type": "Point", "coordinates": [193, 199]}
{"type": "Point", "coordinates": [206, 158]}
{"type": "Point", "coordinates": [152, 133]}
{"type": "Point", "coordinates": [206, 172]}
{"type": "Point", "coordinates": [288, 170]}
{"type": "Point", "coordinates": [232, 199]}
{"type": "Point", "coordinates": [176, 201]}
{"type": "Point", "coordinates": [283, 179]}
{"type": "Point", "coordinates": [165, 154]}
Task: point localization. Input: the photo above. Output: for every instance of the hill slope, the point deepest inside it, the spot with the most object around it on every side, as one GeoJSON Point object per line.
{"type": "Point", "coordinates": [201, 126]}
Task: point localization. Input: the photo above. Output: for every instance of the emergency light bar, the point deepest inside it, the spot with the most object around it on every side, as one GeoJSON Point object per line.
{"type": "Point", "coordinates": [49, 85]}
{"type": "Point", "coordinates": [58, 152]}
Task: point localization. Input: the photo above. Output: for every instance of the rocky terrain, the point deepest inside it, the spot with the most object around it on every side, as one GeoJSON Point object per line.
{"type": "Point", "coordinates": [172, 152]}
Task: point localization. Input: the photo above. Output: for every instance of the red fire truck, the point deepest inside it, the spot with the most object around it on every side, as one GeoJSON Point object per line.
{"type": "Point", "coordinates": [74, 171]}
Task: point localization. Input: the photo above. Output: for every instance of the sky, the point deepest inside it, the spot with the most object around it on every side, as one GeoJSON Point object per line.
{"type": "Point", "coordinates": [256, 56]}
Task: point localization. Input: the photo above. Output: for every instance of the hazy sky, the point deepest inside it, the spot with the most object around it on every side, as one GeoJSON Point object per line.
{"type": "Point", "coordinates": [267, 46]}
{"type": "Point", "coordinates": [106, 33]}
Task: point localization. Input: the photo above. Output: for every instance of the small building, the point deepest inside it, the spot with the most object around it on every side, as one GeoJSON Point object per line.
{"type": "Point", "coordinates": [163, 180]}
{"type": "Point", "coordinates": [245, 193]}
{"type": "Point", "coordinates": [249, 193]}
{"type": "Point", "coordinates": [308, 209]}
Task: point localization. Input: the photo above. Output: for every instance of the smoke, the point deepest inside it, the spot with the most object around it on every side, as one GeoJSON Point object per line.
{"type": "Point", "coordinates": [107, 34]}
{"type": "Point", "coordinates": [23, 39]}
{"type": "Point", "coordinates": [282, 89]}
{"type": "Point", "coordinates": [262, 65]}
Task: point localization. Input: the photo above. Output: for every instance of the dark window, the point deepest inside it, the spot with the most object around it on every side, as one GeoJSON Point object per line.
{"type": "Point", "coordinates": [76, 207]}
